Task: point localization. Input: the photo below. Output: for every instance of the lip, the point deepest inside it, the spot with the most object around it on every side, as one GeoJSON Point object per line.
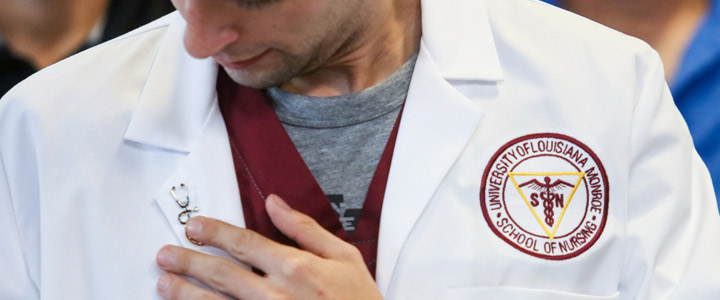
{"type": "Point", "coordinates": [241, 64]}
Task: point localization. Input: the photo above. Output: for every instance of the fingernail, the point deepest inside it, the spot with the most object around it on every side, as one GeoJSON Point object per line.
{"type": "Point", "coordinates": [194, 227]}
{"type": "Point", "coordinates": [279, 201]}
{"type": "Point", "coordinates": [163, 283]}
{"type": "Point", "coordinates": [165, 257]}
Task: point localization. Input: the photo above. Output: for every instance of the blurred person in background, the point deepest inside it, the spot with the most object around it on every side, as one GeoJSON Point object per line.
{"type": "Point", "coordinates": [37, 33]}
{"type": "Point", "coordinates": [686, 34]}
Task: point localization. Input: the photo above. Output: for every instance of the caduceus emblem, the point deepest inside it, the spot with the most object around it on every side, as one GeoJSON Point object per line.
{"type": "Point", "coordinates": [548, 194]}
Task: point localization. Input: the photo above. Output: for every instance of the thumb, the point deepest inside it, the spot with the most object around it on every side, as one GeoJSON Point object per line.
{"type": "Point", "coordinates": [304, 230]}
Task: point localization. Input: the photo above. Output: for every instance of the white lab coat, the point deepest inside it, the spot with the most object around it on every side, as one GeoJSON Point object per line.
{"type": "Point", "coordinates": [90, 148]}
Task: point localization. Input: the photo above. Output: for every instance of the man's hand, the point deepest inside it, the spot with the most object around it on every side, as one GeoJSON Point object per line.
{"type": "Point", "coordinates": [326, 268]}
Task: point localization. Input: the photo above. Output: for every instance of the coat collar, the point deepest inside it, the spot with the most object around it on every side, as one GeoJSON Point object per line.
{"type": "Point", "coordinates": [177, 97]}
{"type": "Point", "coordinates": [180, 90]}
{"type": "Point", "coordinates": [458, 37]}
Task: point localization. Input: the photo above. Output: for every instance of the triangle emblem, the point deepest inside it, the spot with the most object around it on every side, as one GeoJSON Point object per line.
{"type": "Point", "coordinates": [547, 195]}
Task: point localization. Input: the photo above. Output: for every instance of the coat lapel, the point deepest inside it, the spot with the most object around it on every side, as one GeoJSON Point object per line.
{"type": "Point", "coordinates": [209, 177]}
{"type": "Point", "coordinates": [436, 125]}
{"type": "Point", "coordinates": [177, 112]}
{"type": "Point", "coordinates": [178, 95]}
{"type": "Point", "coordinates": [438, 120]}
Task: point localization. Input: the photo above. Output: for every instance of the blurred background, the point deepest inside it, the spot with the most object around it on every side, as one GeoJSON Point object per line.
{"type": "Point", "coordinates": [38, 33]}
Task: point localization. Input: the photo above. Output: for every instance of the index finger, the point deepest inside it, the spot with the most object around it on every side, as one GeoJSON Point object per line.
{"type": "Point", "coordinates": [242, 244]}
{"type": "Point", "coordinates": [305, 231]}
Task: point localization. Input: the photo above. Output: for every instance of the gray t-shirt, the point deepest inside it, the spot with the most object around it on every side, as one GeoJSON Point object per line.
{"type": "Point", "coordinates": [342, 138]}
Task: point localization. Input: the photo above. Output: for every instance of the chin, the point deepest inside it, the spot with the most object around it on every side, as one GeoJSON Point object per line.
{"type": "Point", "coordinates": [256, 79]}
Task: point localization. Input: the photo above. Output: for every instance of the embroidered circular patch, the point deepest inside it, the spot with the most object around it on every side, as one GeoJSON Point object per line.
{"type": "Point", "coordinates": [546, 195]}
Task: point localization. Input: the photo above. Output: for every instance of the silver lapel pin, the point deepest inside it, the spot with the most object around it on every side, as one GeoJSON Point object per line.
{"type": "Point", "coordinates": [184, 202]}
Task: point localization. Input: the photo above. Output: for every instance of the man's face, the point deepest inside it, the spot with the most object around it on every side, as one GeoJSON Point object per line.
{"type": "Point", "coordinates": [265, 43]}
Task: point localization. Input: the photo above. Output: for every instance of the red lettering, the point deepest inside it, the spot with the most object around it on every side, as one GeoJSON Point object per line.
{"type": "Point", "coordinates": [526, 147]}
{"type": "Point", "coordinates": [591, 226]}
{"type": "Point", "coordinates": [520, 151]}
{"type": "Point", "coordinates": [583, 162]}
{"type": "Point", "coordinates": [505, 229]}
{"type": "Point", "coordinates": [542, 146]}
{"type": "Point", "coordinates": [512, 153]}
{"type": "Point", "coordinates": [574, 242]}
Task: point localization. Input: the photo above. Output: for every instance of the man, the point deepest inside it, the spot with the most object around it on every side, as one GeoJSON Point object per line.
{"type": "Point", "coordinates": [533, 155]}
{"type": "Point", "coordinates": [37, 33]}
{"type": "Point", "coordinates": [686, 34]}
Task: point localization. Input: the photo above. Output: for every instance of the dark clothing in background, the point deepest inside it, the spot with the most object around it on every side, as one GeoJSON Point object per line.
{"type": "Point", "coordinates": [126, 15]}
{"type": "Point", "coordinates": [12, 70]}
{"type": "Point", "coordinates": [122, 16]}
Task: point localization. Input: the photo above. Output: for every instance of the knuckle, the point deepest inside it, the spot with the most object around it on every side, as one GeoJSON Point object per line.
{"type": "Point", "coordinates": [220, 273]}
{"type": "Point", "coordinates": [306, 222]}
{"type": "Point", "coordinates": [303, 224]}
{"type": "Point", "coordinates": [295, 266]}
{"type": "Point", "coordinates": [350, 252]}
{"type": "Point", "coordinates": [243, 243]}
{"type": "Point", "coordinates": [211, 230]}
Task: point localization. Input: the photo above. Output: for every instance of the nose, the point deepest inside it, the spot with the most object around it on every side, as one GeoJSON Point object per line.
{"type": "Point", "coordinates": [209, 28]}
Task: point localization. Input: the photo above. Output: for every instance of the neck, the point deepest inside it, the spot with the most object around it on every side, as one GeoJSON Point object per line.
{"type": "Point", "coordinates": [668, 25]}
{"type": "Point", "coordinates": [45, 31]}
{"type": "Point", "coordinates": [369, 56]}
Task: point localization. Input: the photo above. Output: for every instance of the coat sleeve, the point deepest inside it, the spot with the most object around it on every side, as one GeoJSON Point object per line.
{"type": "Point", "coordinates": [673, 225]}
{"type": "Point", "coordinates": [20, 248]}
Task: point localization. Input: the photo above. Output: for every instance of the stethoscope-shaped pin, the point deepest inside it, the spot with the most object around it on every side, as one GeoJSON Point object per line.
{"type": "Point", "coordinates": [180, 201]}
{"type": "Point", "coordinates": [184, 202]}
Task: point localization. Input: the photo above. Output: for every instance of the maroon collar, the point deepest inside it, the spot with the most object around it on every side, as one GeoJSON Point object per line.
{"type": "Point", "coordinates": [267, 162]}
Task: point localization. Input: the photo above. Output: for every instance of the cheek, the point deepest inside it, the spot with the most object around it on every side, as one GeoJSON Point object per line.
{"type": "Point", "coordinates": [283, 34]}
{"type": "Point", "coordinates": [290, 20]}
